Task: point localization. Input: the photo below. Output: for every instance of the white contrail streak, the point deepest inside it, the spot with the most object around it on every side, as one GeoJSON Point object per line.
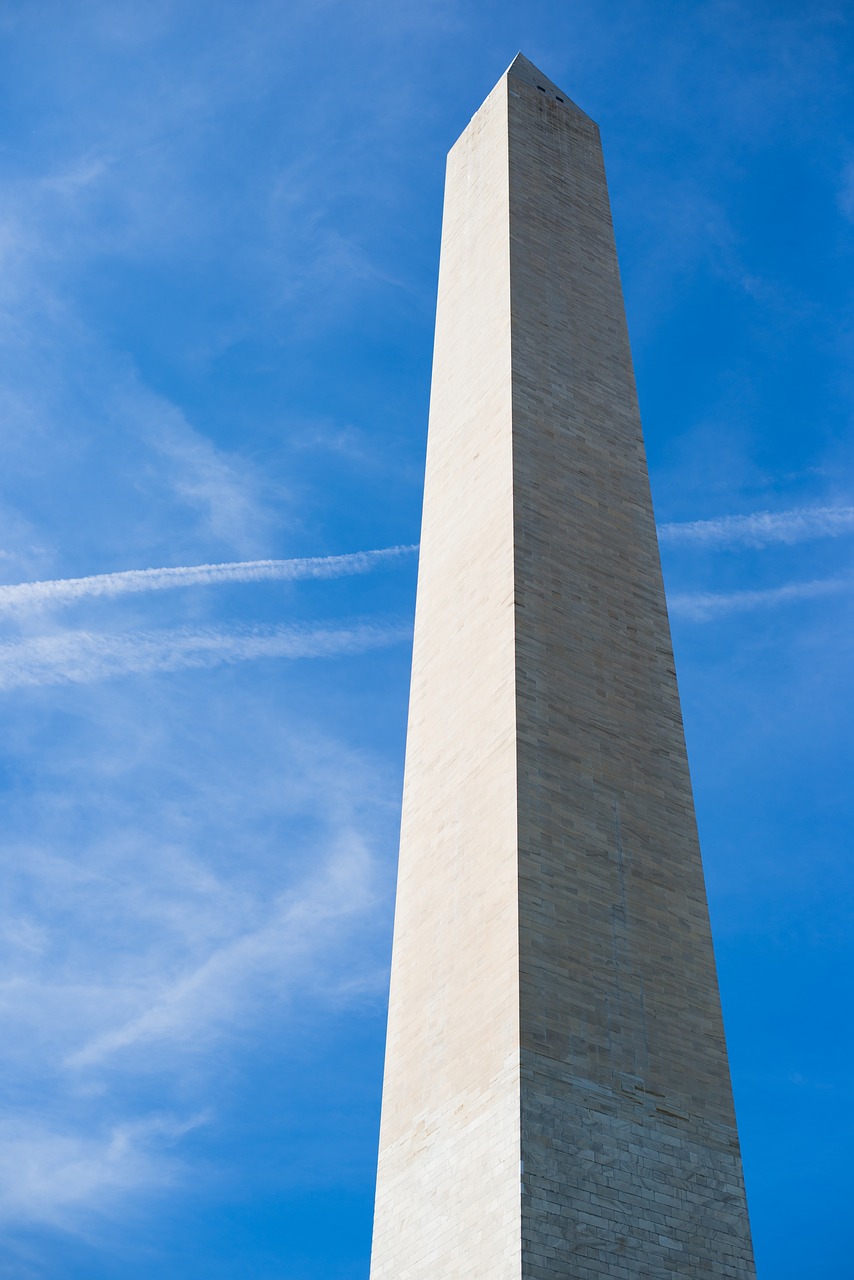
{"type": "Point", "coordinates": [762, 527]}
{"type": "Point", "coordinates": [700, 606]}
{"type": "Point", "coordinates": [82, 657]}
{"type": "Point", "coordinates": [60, 591]}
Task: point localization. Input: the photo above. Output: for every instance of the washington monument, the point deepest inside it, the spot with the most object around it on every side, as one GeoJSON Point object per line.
{"type": "Point", "coordinates": [557, 1100]}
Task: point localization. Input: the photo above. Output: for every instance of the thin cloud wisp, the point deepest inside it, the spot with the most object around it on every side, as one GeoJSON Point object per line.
{"type": "Point", "coordinates": [82, 657]}
{"type": "Point", "coordinates": [700, 606]}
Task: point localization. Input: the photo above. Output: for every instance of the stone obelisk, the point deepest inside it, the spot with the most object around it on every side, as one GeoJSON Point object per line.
{"type": "Point", "coordinates": [557, 1100]}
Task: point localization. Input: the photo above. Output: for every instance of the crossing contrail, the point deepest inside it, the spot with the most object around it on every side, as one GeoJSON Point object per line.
{"type": "Point", "coordinates": [759, 529]}
{"type": "Point", "coordinates": [64, 591]}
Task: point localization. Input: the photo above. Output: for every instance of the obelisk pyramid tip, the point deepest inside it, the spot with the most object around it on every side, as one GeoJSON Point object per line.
{"type": "Point", "coordinates": [521, 68]}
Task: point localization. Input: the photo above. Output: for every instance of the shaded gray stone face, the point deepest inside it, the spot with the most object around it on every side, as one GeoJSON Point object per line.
{"type": "Point", "coordinates": [557, 1099]}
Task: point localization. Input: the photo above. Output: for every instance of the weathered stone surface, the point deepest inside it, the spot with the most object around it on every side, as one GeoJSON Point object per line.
{"type": "Point", "coordinates": [554, 1004]}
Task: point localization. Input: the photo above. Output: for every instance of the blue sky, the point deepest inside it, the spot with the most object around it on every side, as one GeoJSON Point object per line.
{"type": "Point", "coordinates": [219, 237]}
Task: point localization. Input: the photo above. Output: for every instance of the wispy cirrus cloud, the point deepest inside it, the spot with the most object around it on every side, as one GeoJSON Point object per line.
{"type": "Point", "coordinates": [762, 528]}
{"type": "Point", "coordinates": [49, 1174]}
{"type": "Point", "coordinates": [153, 938]}
{"type": "Point", "coordinates": [701, 606]}
{"type": "Point", "coordinates": [82, 657]}
{"type": "Point", "coordinates": [202, 1000]}
{"type": "Point", "coordinates": [62, 591]}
